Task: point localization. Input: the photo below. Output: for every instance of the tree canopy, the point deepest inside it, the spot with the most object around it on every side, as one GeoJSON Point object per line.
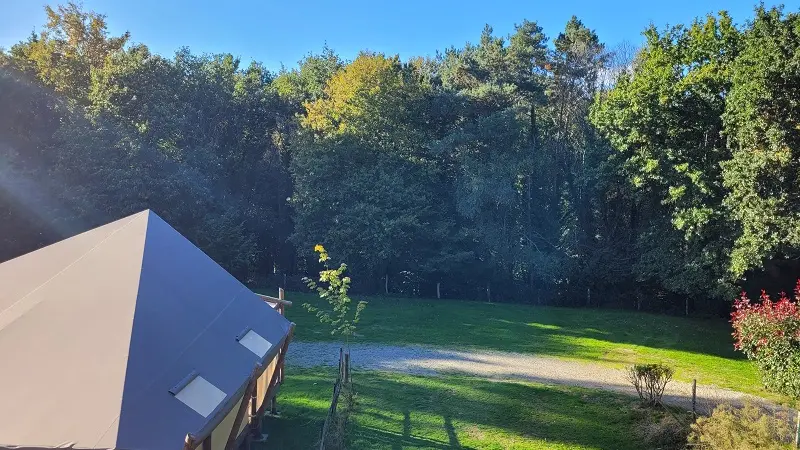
{"type": "Point", "coordinates": [516, 168]}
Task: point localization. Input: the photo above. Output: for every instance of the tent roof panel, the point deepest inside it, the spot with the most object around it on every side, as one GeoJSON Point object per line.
{"type": "Point", "coordinates": [94, 352]}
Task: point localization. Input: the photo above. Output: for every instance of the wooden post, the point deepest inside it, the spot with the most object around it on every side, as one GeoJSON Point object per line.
{"type": "Point", "coordinates": [237, 422]}
{"type": "Point", "coordinates": [694, 397]}
{"type": "Point", "coordinates": [188, 443]}
{"type": "Point", "coordinates": [255, 418]}
{"type": "Point", "coordinates": [797, 433]}
{"type": "Point", "coordinates": [386, 283]}
{"type": "Point", "coordinates": [347, 367]}
{"type": "Point", "coordinates": [281, 294]}
{"type": "Point", "coordinates": [438, 289]}
{"type": "Point", "coordinates": [341, 364]}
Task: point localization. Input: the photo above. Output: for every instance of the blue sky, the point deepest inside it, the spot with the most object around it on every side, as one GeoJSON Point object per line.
{"type": "Point", "coordinates": [276, 32]}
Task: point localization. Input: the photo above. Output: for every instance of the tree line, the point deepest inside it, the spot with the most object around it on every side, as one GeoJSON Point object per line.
{"type": "Point", "coordinates": [518, 168]}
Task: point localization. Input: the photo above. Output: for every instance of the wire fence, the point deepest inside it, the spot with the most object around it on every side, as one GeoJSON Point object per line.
{"type": "Point", "coordinates": [343, 380]}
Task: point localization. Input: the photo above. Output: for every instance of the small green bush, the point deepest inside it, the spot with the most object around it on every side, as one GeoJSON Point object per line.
{"type": "Point", "coordinates": [650, 380]}
{"type": "Point", "coordinates": [750, 427]}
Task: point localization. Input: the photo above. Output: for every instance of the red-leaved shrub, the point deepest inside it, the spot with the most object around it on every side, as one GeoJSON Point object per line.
{"type": "Point", "coordinates": [768, 333]}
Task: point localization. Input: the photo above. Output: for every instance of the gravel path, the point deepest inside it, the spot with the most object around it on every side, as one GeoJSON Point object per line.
{"type": "Point", "coordinates": [497, 365]}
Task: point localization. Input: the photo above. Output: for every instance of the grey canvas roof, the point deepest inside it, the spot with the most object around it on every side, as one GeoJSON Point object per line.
{"type": "Point", "coordinates": [96, 329]}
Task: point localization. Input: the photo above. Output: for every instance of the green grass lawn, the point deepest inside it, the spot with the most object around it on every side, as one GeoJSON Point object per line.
{"type": "Point", "coordinates": [695, 348]}
{"type": "Point", "coordinates": [396, 411]}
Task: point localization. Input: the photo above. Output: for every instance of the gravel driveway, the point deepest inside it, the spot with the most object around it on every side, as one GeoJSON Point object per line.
{"type": "Point", "coordinates": [497, 365]}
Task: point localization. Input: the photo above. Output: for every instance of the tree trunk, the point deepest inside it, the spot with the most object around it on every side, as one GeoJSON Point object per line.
{"type": "Point", "coordinates": [438, 290]}
{"type": "Point", "coordinates": [687, 306]}
{"type": "Point", "coordinates": [386, 284]}
{"type": "Point", "coordinates": [588, 297]}
{"type": "Point", "coordinates": [489, 292]}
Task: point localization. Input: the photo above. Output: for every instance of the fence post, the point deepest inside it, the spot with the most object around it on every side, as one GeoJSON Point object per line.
{"type": "Point", "coordinates": [694, 397]}
{"type": "Point", "coordinates": [341, 364]}
{"type": "Point", "coordinates": [347, 367]}
{"type": "Point", "coordinates": [331, 411]}
{"type": "Point", "coordinates": [797, 433]}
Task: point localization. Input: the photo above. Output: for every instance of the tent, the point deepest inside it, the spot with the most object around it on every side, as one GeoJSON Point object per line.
{"type": "Point", "coordinates": [129, 337]}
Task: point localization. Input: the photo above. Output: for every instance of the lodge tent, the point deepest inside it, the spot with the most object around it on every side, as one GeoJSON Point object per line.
{"type": "Point", "coordinates": [129, 337]}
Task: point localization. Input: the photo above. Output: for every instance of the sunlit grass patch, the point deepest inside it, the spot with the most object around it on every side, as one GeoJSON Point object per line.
{"type": "Point", "coordinates": [397, 411]}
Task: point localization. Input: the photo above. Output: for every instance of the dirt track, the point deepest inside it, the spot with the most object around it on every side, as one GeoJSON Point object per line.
{"type": "Point", "coordinates": [497, 365]}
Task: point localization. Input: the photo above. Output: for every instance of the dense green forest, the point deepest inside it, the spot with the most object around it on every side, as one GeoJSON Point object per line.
{"type": "Point", "coordinates": [527, 168]}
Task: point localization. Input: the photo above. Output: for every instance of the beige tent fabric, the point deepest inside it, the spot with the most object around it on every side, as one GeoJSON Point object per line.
{"type": "Point", "coordinates": [95, 331]}
{"type": "Point", "coordinates": [64, 345]}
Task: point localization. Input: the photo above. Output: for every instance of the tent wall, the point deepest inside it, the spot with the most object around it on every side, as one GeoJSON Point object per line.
{"type": "Point", "coordinates": [219, 437]}
{"type": "Point", "coordinates": [263, 382]}
{"type": "Point", "coordinates": [261, 396]}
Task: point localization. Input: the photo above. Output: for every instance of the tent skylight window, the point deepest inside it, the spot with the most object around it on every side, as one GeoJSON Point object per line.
{"type": "Point", "coordinates": [254, 342]}
{"type": "Point", "coordinates": [197, 393]}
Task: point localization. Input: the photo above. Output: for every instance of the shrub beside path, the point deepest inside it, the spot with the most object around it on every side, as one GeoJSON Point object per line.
{"type": "Point", "coordinates": [497, 365]}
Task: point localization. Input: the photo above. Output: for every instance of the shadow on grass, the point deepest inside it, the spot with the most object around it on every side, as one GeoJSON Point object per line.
{"type": "Point", "coordinates": [414, 412]}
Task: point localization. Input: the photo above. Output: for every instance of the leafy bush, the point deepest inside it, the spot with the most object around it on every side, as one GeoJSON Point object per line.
{"type": "Point", "coordinates": [747, 428]}
{"type": "Point", "coordinates": [650, 380]}
{"type": "Point", "coordinates": [769, 334]}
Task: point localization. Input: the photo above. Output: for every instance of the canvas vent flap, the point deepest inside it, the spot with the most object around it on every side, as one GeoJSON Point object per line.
{"type": "Point", "coordinates": [255, 343]}
{"type": "Point", "coordinates": [200, 395]}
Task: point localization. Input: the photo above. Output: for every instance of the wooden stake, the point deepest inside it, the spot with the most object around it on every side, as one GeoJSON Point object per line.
{"type": "Point", "coordinates": [347, 367]}
{"type": "Point", "coordinates": [438, 290]}
{"type": "Point", "coordinates": [255, 419]}
{"type": "Point", "coordinates": [188, 443]}
{"type": "Point", "coordinates": [797, 433]}
{"type": "Point", "coordinates": [341, 365]}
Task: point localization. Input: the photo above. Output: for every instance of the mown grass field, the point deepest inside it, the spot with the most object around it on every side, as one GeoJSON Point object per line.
{"type": "Point", "coordinates": [396, 411]}
{"type": "Point", "coordinates": [695, 348]}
